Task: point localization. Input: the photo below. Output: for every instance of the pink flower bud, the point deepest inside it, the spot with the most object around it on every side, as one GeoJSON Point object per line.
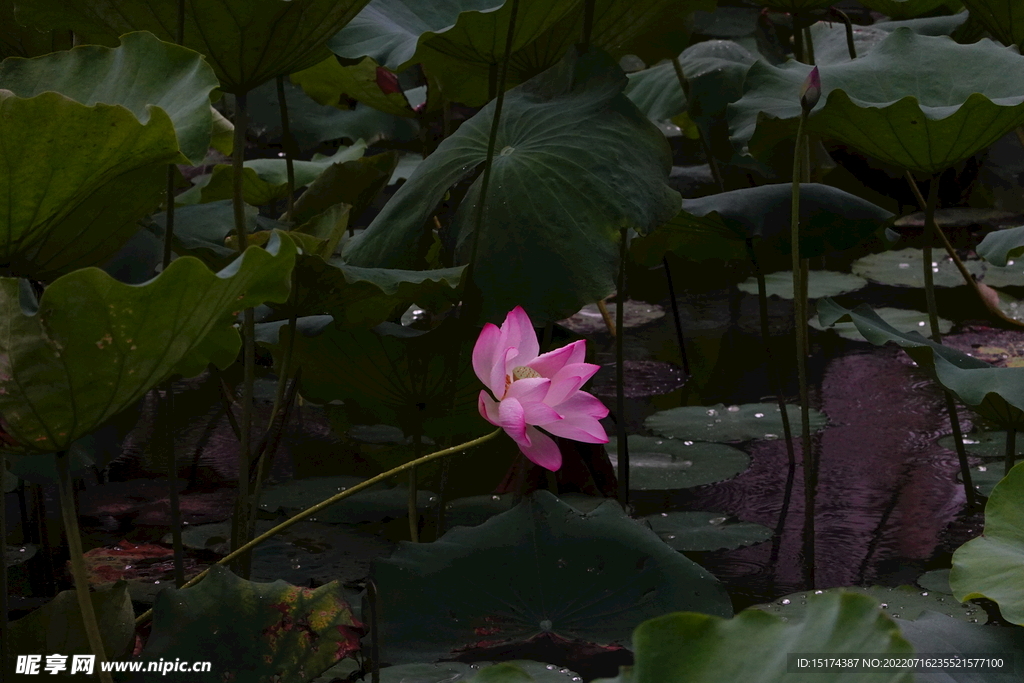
{"type": "Point", "coordinates": [387, 81]}
{"type": "Point", "coordinates": [810, 93]}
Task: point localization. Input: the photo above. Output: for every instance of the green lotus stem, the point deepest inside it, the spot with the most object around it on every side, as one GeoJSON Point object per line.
{"type": "Point", "coordinates": [338, 497]}
{"type": "Point", "coordinates": [677, 321]}
{"type": "Point", "coordinates": [800, 322]}
{"type": "Point", "coordinates": [620, 394]}
{"type": "Point", "coordinates": [78, 571]}
{"type": "Point", "coordinates": [4, 651]}
{"type": "Point", "coordinates": [240, 520]}
{"type": "Point", "coordinates": [609, 322]}
{"type": "Point", "coordinates": [684, 85]}
{"type": "Point", "coordinates": [954, 419]}
{"type": "Point", "coordinates": [1011, 449]}
{"type": "Point", "coordinates": [851, 46]}
{"type": "Point", "coordinates": [770, 366]}
{"type": "Point", "coordinates": [287, 143]}
{"type": "Point", "coordinates": [926, 260]}
{"type": "Point", "coordinates": [588, 23]}
{"type": "Point", "coordinates": [809, 45]}
{"type": "Point", "coordinates": [166, 431]}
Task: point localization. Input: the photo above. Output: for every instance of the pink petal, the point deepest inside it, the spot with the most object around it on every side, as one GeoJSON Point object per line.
{"type": "Point", "coordinates": [485, 356]}
{"type": "Point", "coordinates": [488, 408]}
{"type": "Point", "coordinates": [542, 450]}
{"type": "Point", "coordinates": [580, 415]}
{"type": "Point", "coordinates": [547, 364]}
{"type": "Point", "coordinates": [521, 335]}
{"type": "Point", "coordinates": [512, 418]}
{"type": "Point", "coordinates": [529, 390]}
{"type": "Point", "coordinates": [568, 380]}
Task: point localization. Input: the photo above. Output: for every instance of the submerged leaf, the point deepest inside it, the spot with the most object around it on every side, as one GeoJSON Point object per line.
{"type": "Point", "coordinates": [666, 464]}
{"type": "Point", "coordinates": [726, 424]}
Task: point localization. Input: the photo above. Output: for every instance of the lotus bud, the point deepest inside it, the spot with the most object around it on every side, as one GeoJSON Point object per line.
{"type": "Point", "coordinates": [810, 93]}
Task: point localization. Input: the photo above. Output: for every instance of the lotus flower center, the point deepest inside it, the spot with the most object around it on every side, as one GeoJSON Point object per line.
{"type": "Point", "coordinates": [523, 372]}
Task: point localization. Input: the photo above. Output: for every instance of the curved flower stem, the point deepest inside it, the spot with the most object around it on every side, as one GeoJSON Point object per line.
{"type": "Point", "coordinates": [362, 486]}
{"type": "Point", "coordinates": [609, 322]}
{"type": "Point", "coordinates": [620, 394]}
{"type": "Point", "coordinates": [78, 572]}
{"type": "Point", "coordinates": [851, 46]}
{"type": "Point", "coordinates": [800, 325]}
{"type": "Point", "coordinates": [932, 228]}
{"type": "Point", "coordinates": [1011, 449]}
{"type": "Point", "coordinates": [414, 515]}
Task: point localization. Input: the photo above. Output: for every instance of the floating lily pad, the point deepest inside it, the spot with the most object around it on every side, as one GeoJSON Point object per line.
{"type": "Point", "coordinates": [985, 444]}
{"type": "Point", "coordinates": [819, 283]}
{"type": "Point", "coordinates": [146, 568]}
{"type": "Point", "coordinates": [729, 424]}
{"type": "Point", "coordinates": [914, 101]}
{"type": "Point", "coordinates": [254, 631]}
{"type": "Point", "coordinates": [634, 313]}
{"type": "Point", "coordinates": [378, 503]}
{"type": "Point", "coordinates": [642, 378]}
{"type": "Point", "coordinates": [540, 568]}
{"type": "Point", "coordinates": [702, 531]}
{"type": "Point", "coordinates": [474, 510]}
{"type": "Point", "coordinates": [904, 268]}
{"type": "Point", "coordinates": [936, 633]}
{"type": "Point", "coordinates": [666, 464]}
{"type": "Point", "coordinates": [753, 647]}
{"type": "Point", "coordinates": [999, 246]}
{"type": "Point", "coordinates": [899, 318]}
{"type": "Point", "coordinates": [905, 602]}
{"type": "Point", "coordinates": [985, 477]}
{"type": "Point", "coordinates": [19, 553]}
{"type": "Point", "coordinates": [992, 565]}
{"type": "Point", "coordinates": [453, 672]}
{"type": "Point", "coordinates": [936, 581]}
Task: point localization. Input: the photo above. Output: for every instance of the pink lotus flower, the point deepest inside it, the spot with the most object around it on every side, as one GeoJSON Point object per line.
{"type": "Point", "coordinates": [536, 391]}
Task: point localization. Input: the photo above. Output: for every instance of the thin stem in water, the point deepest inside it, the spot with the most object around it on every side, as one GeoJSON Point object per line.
{"type": "Point", "coordinates": [288, 143]}
{"type": "Point", "coordinates": [684, 85]}
{"type": "Point", "coordinates": [1011, 449]}
{"type": "Point", "coordinates": [620, 395]}
{"type": "Point", "coordinates": [78, 571]}
{"type": "Point", "coordinates": [675, 316]}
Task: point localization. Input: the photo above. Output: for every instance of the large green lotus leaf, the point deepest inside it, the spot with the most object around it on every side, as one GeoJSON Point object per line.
{"type": "Point", "coordinates": [1002, 18]}
{"type": "Point", "coordinates": [913, 101]}
{"type": "Point", "coordinates": [477, 672]}
{"type": "Point", "coordinates": [820, 283]}
{"type": "Point", "coordinates": [377, 503]}
{"type": "Point", "coordinates": [794, 5]}
{"type": "Point", "coordinates": [365, 297]}
{"type": "Point", "coordinates": [754, 646]}
{"type": "Point", "coordinates": [93, 346]}
{"type": "Point", "coordinates": [57, 627]}
{"type": "Point", "coordinates": [557, 199]}
{"type": "Point", "coordinates": [902, 9]}
{"type": "Point", "coordinates": [898, 318]}
{"type": "Point", "coordinates": [83, 166]}
{"type": "Point", "coordinates": [254, 631]}
{"type": "Point", "coordinates": [992, 565]}
{"type": "Point", "coordinates": [542, 568]}
{"type": "Point", "coordinates": [908, 602]}
{"type": "Point", "coordinates": [141, 75]}
{"type": "Point", "coordinates": [735, 423]}
{"type": "Point", "coordinates": [666, 464]}
{"type": "Point", "coordinates": [266, 180]}
{"type": "Point", "coordinates": [904, 268]}
{"type": "Point", "coordinates": [247, 42]}
{"type": "Point", "coordinates": [704, 531]}
{"type": "Point", "coordinates": [1000, 246]}
{"type": "Point", "coordinates": [995, 393]}
{"type": "Point", "coordinates": [20, 41]}
{"type": "Point", "coordinates": [356, 183]}
{"type": "Point", "coordinates": [933, 632]}
{"type": "Point", "coordinates": [718, 226]}
{"type": "Point", "coordinates": [656, 91]}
